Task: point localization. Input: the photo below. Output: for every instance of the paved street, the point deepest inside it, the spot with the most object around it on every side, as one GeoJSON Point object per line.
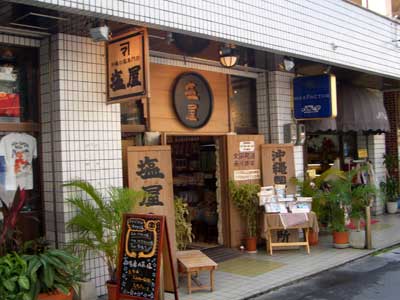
{"type": "Point", "coordinates": [371, 278]}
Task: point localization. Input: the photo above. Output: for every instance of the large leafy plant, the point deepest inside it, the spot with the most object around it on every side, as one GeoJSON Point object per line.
{"type": "Point", "coordinates": [244, 197]}
{"type": "Point", "coordinates": [317, 189]}
{"type": "Point", "coordinates": [98, 220]}
{"type": "Point", "coordinates": [10, 238]}
{"type": "Point", "coordinates": [52, 270]}
{"type": "Point", "coordinates": [183, 226]}
{"type": "Point", "coordinates": [15, 281]}
{"type": "Point", "coordinates": [390, 187]}
{"type": "Point", "coordinates": [344, 193]}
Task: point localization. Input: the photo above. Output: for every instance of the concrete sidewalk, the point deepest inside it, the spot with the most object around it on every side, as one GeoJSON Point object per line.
{"type": "Point", "coordinates": [251, 275]}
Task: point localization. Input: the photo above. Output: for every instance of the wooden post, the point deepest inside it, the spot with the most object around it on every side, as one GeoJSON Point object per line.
{"type": "Point", "coordinates": [368, 233]}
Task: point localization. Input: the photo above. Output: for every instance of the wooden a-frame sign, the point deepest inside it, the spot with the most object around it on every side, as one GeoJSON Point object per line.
{"type": "Point", "coordinates": [144, 240]}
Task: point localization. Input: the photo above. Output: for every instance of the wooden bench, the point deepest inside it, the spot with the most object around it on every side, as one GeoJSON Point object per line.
{"type": "Point", "coordinates": [192, 262]}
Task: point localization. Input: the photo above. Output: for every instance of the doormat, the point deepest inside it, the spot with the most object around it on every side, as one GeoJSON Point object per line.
{"type": "Point", "coordinates": [248, 267]}
{"type": "Point", "coordinates": [220, 254]}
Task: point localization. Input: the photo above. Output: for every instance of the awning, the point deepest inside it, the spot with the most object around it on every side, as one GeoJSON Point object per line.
{"type": "Point", "coordinates": [359, 110]}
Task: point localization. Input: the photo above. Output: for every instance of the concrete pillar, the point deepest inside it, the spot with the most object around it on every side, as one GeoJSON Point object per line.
{"type": "Point", "coordinates": [81, 134]}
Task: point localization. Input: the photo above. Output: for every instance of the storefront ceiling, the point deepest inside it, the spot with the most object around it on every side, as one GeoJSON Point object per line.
{"type": "Point", "coordinates": [356, 78]}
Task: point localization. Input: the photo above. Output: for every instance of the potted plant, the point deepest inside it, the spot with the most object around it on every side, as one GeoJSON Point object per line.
{"type": "Point", "coordinates": [338, 199]}
{"type": "Point", "coordinates": [98, 223]}
{"type": "Point", "coordinates": [390, 187]}
{"type": "Point", "coordinates": [15, 281]}
{"type": "Point", "coordinates": [361, 198]}
{"type": "Point", "coordinates": [390, 190]}
{"type": "Point", "coordinates": [183, 226]}
{"type": "Point", "coordinates": [244, 197]}
{"type": "Point", "coordinates": [314, 187]}
{"type": "Point", "coordinates": [55, 274]}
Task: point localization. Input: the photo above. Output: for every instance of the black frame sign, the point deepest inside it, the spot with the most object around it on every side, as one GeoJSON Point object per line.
{"type": "Point", "coordinates": [143, 240]}
{"type": "Point", "coordinates": [127, 67]}
{"type": "Point", "coordinates": [192, 100]}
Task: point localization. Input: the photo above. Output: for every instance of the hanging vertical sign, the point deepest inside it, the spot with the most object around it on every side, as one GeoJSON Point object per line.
{"type": "Point", "coordinates": [127, 67]}
{"type": "Point", "coordinates": [315, 97]}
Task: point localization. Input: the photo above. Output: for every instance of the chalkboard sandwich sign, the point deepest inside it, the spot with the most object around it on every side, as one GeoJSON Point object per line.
{"type": "Point", "coordinates": [144, 238]}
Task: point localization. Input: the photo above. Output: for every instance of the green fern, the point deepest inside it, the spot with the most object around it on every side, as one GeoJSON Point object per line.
{"type": "Point", "coordinates": [99, 219]}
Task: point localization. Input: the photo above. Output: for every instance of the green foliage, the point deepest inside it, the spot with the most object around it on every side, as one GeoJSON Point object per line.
{"type": "Point", "coordinates": [183, 226]}
{"type": "Point", "coordinates": [317, 189]}
{"type": "Point", "coordinates": [98, 220]}
{"type": "Point", "coordinates": [15, 281]}
{"type": "Point", "coordinates": [51, 270]}
{"type": "Point", "coordinates": [390, 188]}
{"type": "Point", "coordinates": [344, 193]}
{"type": "Point", "coordinates": [244, 197]}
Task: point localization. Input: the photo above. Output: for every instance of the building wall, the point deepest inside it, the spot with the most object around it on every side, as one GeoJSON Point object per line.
{"type": "Point", "coordinates": [81, 134]}
{"type": "Point", "coordinates": [391, 100]}
{"type": "Point", "coordinates": [274, 110]}
{"type": "Point", "coordinates": [332, 31]}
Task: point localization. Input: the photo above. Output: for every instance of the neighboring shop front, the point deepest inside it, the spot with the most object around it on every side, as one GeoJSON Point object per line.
{"type": "Point", "coordinates": [20, 140]}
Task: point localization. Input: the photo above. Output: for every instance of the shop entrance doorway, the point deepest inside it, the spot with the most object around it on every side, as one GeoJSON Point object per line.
{"type": "Point", "coordinates": [195, 180]}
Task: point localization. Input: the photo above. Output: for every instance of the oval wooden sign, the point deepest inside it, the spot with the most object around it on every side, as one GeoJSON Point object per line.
{"type": "Point", "coordinates": [192, 100]}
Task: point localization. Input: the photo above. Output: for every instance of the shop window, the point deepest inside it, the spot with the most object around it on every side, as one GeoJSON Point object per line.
{"type": "Point", "coordinates": [19, 136]}
{"type": "Point", "coordinates": [327, 150]}
{"type": "Point", "coordinates": [132, 113]}
{"type": "Point", "coordinates": [243, 105]}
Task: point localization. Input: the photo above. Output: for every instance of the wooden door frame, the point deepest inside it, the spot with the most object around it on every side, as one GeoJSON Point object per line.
{"type": "Point", "coordinates": [223, 178]}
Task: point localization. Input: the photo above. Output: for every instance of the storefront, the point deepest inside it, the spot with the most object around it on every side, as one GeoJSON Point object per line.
{"type": "Point", "coordinates": [192, 111]}
{"type": "Point", "coordinates": [20, 143]}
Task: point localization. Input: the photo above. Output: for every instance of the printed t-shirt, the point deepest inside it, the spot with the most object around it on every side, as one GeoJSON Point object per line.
{"type": "Point", "coordinates": [18, 150]}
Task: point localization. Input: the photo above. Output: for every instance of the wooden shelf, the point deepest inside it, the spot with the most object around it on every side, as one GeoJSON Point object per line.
{"type": "Point", "coordinates": [133, 128]}
{"type": "Point", "coordinates": [20, 127]}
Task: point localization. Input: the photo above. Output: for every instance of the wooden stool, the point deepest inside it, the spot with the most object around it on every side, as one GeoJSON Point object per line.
{"type": "Point", "coordinates": [192, 262]}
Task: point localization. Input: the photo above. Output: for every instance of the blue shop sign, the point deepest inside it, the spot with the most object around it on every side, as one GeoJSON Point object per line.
{"type": "Point", "coordinates": [315, 97]}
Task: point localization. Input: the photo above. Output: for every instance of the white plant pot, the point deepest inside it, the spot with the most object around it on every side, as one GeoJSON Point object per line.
{"type": "Point", "coordinates": [357, 239]}
{"type": "Point", "coordinates": [87, 291]}
{"type": "Point", "coordinates": [391, 207]}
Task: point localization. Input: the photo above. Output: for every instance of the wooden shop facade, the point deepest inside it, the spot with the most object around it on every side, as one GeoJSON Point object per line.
{"type": "Point", "coordinates": [187, 129]}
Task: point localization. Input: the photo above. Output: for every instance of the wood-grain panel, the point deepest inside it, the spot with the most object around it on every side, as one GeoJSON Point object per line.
{"type": "Point", "coordinates": [161, 110]}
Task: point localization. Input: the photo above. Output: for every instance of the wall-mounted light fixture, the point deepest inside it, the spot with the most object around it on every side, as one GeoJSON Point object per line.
{"type": "Point", "coordinates": [288, 63]}
{"type": "Point", "coordinates": [100, 34]}
{"type": "Point", "coordinates": [228, 56]}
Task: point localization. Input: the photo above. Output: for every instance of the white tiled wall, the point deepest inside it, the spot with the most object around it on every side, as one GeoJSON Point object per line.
{"type": "Point", "coordinates": [331, 31]}
{"type": "Point", "coordinates": [274, 111]}
{"type": "Point", "coordinates": [81, 134]}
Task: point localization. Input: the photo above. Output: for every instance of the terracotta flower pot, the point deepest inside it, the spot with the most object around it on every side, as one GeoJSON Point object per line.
{"type": "Point", "coordinates": [55, 296]}
{"type": "Point", "coordinates": [251, 245]}
{"type": "Point", "coordinates": [112, 289]}
{"type": "Point", "coordinates": [341, 239]}
{"type": "Point", "coordinates": [312, 237]}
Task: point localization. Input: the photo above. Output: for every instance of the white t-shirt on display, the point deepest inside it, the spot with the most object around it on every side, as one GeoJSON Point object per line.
{"type": "Point", "coordinates": [18, 149]}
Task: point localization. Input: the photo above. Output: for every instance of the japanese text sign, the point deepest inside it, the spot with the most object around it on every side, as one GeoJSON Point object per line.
{"type": "Point", "coordinates": [127, 67]}
{"type": "Point", "coordinates": [315, 97]}
{"type": "Point", "coordinates": [150, 170]}
{"type": "Point", "coordinates": [192, 100]}
{"type": "Point", "coordinates": [277, 164]}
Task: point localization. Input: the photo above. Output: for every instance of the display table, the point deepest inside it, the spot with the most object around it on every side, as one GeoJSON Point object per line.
{"type": "Point", "coordinates": [273, 222]}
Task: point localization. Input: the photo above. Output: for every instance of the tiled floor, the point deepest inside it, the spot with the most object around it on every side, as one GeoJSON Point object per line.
{"type": "Point", "coordinates": [293, 265]}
